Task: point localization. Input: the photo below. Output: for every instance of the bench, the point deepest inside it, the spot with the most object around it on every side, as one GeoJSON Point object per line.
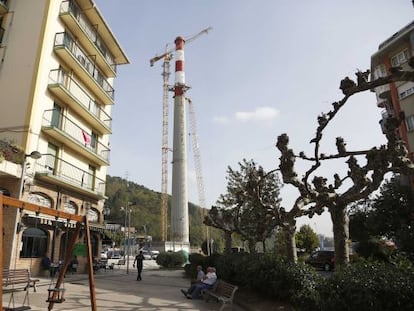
{"type": "Point", "coordinates": [18, 276]}
{"type": "Point", "coordinates": [222, 292]}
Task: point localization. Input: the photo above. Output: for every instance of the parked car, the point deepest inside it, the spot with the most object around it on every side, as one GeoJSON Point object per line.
{"type": "Point", "coordinates": [154, 254]}
{"type": "Point", "coordinates": [146, 254]}
{"type": "Point", "coordinates": [115, 255]}
{"type": "Point", "coordinates": [322, 260]}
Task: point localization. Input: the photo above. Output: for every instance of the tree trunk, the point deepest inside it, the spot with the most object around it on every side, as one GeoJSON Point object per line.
{"type": "Point", "coordinates": [252, 246]}
{"type": "Point", "coordinates": [227, 242]}
{"type": "Point", "coordinates": [264, 246]}
{"type": "Point", "coordinates": [340, 221]}
{"type": "Point", "coordinates": [289, 233]}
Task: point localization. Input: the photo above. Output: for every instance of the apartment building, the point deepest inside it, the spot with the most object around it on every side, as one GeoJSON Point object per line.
{"type": "Point", "coordinates": [58, 61]}
{"type": "Point", "coordinates": [395, 98]}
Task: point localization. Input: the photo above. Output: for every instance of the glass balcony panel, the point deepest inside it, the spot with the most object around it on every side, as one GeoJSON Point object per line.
{"type": "Point", "coordinates": [383, 91]}
{"type": "Point", "coordinates": [80, 136]}
{"type": "Point", "coordinates": [3, 7]}
{"type": "Point", "coordinates": [1, 34]}
{"type": "Point", "coordinates": [69, 174]}
{"type": "Point", "coordinates": [58, 76]}
{"type": "Point", "coordinates": [70, 7]}
{"type": "Point", "coordinates": [63, 39]}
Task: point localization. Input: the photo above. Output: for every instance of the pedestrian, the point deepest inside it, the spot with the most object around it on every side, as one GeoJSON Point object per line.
{"type": "Point", "coordinates": [194, 292]}
{"type": "Point", "coordinates": [139, 262]}
{"type": "Point", "coordinates": [199, 276]}
{"type": "Point", "coordinates": [74, 265]}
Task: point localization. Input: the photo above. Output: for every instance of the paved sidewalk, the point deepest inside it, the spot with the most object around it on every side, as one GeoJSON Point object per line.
{"type": "Point", "coordinates": [118, 291]}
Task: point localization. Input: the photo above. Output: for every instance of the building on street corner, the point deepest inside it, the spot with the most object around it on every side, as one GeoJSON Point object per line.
{"type": "Point", "coordinates": [58, 62]}
{"type": "Point", "coordinates": [396, 98]}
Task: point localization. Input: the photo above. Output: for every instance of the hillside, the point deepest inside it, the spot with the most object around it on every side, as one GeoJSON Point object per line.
{"type": "Point", "coordinates": [145, 205]}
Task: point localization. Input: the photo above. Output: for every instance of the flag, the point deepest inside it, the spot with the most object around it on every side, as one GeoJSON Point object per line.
{"type": "Point", "coordinates": [86, 138]}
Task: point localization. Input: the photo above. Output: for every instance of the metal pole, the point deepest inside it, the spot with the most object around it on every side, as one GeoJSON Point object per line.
{"type": "Point", "coordinates": [128, 249]}
{"type": "Point", "coordinates": [125, 224]}
{"type": "Point", "coordinates": [22, 178]}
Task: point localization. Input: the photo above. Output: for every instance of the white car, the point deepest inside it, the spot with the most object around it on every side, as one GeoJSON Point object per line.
{"type": "Point", "coordinates": [154, 254]}
{"type": "Point", "coordinates": [146, 254]}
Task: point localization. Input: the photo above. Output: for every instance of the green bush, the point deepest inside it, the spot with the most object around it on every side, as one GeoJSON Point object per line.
{"type": "Point", "coordinates": [272, 276]}
{"type": "Point", "coordinates": [368, 285]}
{"type": "Point", "coordinates": [363, 285]}
{"type": "Point", "coordinates": [195, 260]}
{"type": "Point", "coordinates": [171, 260]}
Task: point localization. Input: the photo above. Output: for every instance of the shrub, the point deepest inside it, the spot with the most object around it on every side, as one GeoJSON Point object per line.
{"type": "Point", "coordinates": [195, 260]}
{"type": "Point", "coordinates": [368, 285]}
{"type": "Point", "coordinates": [272, 276]}
{"type": "Point", "coordinates": [171, 260]}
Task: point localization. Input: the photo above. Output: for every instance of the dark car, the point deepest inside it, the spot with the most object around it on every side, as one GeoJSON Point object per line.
{"type": "Point", "coordinates": [322, 260]}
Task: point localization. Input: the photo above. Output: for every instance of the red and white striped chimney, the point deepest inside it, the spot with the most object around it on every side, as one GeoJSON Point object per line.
{"type": "Point", "coordinates": [179, 67]}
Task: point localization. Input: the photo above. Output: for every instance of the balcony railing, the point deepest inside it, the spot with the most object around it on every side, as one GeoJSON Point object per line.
{"type": "Point", "coordinates": [63, 39]}
{"type": "Point", "coordinates": [3, 7]}
{"type": "Point", "coordinates": [53, 119]}
{"type": "Point", "coordinates": [70, 7]}
{"type": "Point", "coordinates": [383, 91]}
{"type": "Point", "coordinates": [58, 76]}
{"type": "Point", "coordinates": [1, 34]}
{"type": "Point", "coordinates": [68, 173]}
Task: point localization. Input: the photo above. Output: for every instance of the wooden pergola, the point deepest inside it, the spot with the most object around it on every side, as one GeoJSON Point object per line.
{"type": "Point", "coordinates": [80, 221]}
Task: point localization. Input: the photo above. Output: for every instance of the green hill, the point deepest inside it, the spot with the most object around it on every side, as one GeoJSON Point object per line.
{"type": "Point", "coordinates": [145, 206]}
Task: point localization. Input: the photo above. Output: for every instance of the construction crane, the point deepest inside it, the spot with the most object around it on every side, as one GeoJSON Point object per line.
{"type": "Point", "coordinates": [169, 51]}
{"type": "Point", "coordinates": [197, 165]}
{"type": "Point", "coordinates": [167, 57]}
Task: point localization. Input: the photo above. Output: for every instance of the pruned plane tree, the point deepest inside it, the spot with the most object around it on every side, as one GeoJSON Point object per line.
{"type": "Point", "coordinates": [365, 168]}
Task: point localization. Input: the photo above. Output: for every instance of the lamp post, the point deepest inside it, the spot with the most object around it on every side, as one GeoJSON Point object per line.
{"type": "Point", "coordinates": [128, 246]}
{"type": "Point", "coordinates": [127, 217]}
{"type": "Point", "coordinates": [34, 155]}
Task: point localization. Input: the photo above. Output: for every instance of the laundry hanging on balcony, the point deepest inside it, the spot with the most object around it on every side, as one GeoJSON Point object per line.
{"type": "Point", "coordinates": [86, 138]}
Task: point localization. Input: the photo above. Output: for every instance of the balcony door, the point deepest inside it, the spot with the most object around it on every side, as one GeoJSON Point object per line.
{"type": "Point", "coordinates": [51, 158]}
{"type": "Point", "coordinates": [56, 116]}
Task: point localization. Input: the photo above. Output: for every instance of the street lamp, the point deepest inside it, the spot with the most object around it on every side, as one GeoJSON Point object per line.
{"type": "Point", "coordinates": [127, 216]}
{"type": "Point", "coordinates": [34, 155]}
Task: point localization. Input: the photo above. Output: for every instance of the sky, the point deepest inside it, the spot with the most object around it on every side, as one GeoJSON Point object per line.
{"type": "Point", "coordinates": [267, 67]}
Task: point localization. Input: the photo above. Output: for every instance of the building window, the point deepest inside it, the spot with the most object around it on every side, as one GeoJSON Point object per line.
{"type": "Point", "coordinates": [34, 242]}
{"type": "Point", "coordinates": [406, 90]}
{"type": "Point", "coordinates": [70, 207]}
{"type": "Point", "coordinates": [409, 121]}
{"type": "Point", "coordinates": [380, 71]}
{"type": "Point", "coordinates": [39, 199]}
{"type": "Point", "coordinates": [93, 215]}
{"type": "Point", "coordinates": [399, 58]}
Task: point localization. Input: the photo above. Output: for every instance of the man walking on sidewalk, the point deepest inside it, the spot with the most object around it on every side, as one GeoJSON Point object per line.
{"type": "Point", "coordinates": [138, 260]}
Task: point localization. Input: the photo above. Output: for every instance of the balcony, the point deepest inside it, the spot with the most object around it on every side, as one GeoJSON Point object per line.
{"type": "Point", "coordinates": [84, 67]}
{"type": "Point", "coordinates": [71, 93]}
{"type": "Point", "coordinates": [383, 103]}
{"type": "Point", "coordinates": [383, 91]}
{"type": "Point", "coordinates": [87, 35]}
{"type": "Point", "coordinates": [385, 114]}
{"type": "Point", "coordinates": [3, 7]}
{"type": "Point", "coordinates": [66, 131]}
{"type": "Point", "coordinates": [52, 169]}
{"type": "Point", "coordinates": [1, 34]}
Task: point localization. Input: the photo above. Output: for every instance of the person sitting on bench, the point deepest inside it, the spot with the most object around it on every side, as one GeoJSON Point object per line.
{"type": "Point", "coordinates": [194, 292]}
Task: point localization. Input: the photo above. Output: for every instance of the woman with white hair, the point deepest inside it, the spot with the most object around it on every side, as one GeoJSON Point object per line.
{"type": "Point", "coordinates": [194, 292]}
